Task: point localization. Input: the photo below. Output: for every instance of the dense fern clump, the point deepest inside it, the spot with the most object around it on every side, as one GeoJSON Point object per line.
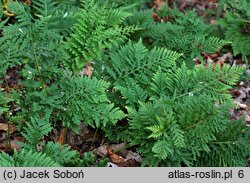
{"type": "Point", "coordinates": [26, 42]}
{"type": "Point", "coordinates": [38, 96]}
{"type": "Point", "coordinates": [175, 114]}
{"type": "Point", "coordinates": [237, 26]}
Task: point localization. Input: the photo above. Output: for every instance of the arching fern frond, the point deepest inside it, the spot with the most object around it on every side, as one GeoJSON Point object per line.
{"type": "Point", "coordinates": [86, 100]}
{"type": "Point", "coordinates": [26, 158]}
{"type": "Point", "coordinates": [45, 7]}
{"type": "Point", "coordinates": [136, 61]}
{"type": "Point", "coordinates": [6, 160]}
{"type": "Point", "coordinates": [36, 129]}
{"type": "Point", "coordinates": [60, 153]}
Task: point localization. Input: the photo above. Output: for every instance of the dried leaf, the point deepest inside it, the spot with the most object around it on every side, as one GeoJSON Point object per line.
{"type": "Point", "coordinates": [134, 156]}
{"type": "Point", "coordinates": [115, 158]}
{"type": "Point", "coordinates": [4, 127]}
{"type": "Point", "coordinates": [118, 147]}
{"type": "Point", "coordinates": [13, 145]}
{"type": "Point", "coordinates": [240, 105]}
{"type": "Point", "coordinates": [61, 139]}
{"type": "Point", "coordinates": [159, 3]}
{"type": "Point", "coordinates": [102, 151]}
{"type": "Point", "coordinates": [87, 70]}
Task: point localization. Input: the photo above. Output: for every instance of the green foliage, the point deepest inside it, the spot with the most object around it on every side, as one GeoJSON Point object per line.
{"type": "Point", "coordinates": [61, 153]}
{"type": "Point", "coordinates": [89, 160]}
{"type": "Point", "coordinates": [237, 26]}
{"type": "Point", "coordinates": [184, 33]}
{"type": "Point", "coordinates": [180, 126]}
{"type": "Point", "coordinates": [34, 132]}
{"type": "Point", "coordinates": [60, 14]}
{"type": "Point", "coordinates": [130, 70]}
{"type": "Point", "coordinates": [85, 99]}
{"type": "Point", "coordinates": [26, 41]}
{"type": "Point", "coordinates": [144, 89]}
{"type": "Point", "coordinates": [4, 100]}
{"type": "Point", "coordinates": [97, 28]}
{"type": "Point", "coordinates": [53, 155]}
{"type": "Point", "coordinates": [25, 44]}
{"type": "Point", "coordinates": [36, 129]}
{"type": "Point", "coordinates": [27, 159]}
{"type": "Point", "coordinates": [174, 113]}
{"type": "Point", "coordinates": [223, 151]}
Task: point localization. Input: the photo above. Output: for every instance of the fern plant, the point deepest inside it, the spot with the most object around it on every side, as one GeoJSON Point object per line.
{"type": "Point", "coordinates": [85, 100]}
{"type": "Point", "coordinates": [183, 32]}
{"type": "Point", "coordinates": [236, 24]}
{"type": "Point", "coordinates": [38, 153]}
{"type": "Point", "coordinates": [222, 152]}
{"type": "Point", "coordinates": [35, 130]}
{"type": "Point", "coordinates": [175, 113]}
{"type": "Point", "coordinates": [27, 159]}
{"type": "Point", "coordinates": [60, 14]}
{"type": "Point", "coordinates": [131, 69]}
{"type": "Point", "coordinates": [98, 28]}
{"type": "Point", "coordinates": [25, 44]}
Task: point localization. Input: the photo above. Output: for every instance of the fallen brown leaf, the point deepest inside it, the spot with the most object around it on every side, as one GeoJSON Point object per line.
{"type": "Point", "coordinates": [87, 70]}
{"type": "Point", "coordinates": [4, 127]}
{"type": "Point", "coordinates": [118, 147]}
{"type": "Point", "coordinates": [133, 156]}
{"type": "Point", "coordinates": [102, 151]}
{"type": "Point", "coordinates": [159, 4]}
{"type": "Point", "coordinates": [61, 139]}
{"type": "Point", "coordinates": [13, 145]}
{"type": "Point", "coordinates": [115, 158]}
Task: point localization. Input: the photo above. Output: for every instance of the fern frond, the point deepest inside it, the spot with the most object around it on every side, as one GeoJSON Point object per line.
{"type": "Point", "coordinates": [45, 7]}
{"type": "Point", "coordinates": [229, 150]}
{"type": "Point", "coordinates": [235, 23]}
{"type": "Point", "coordinates": [132, 93]}
{"type": "Point", "coordinates": [60, 153]}
{"type": "Point", "coordinates": [98, 28]}
{"type": "Point", "coordinates": [162, 149]}
{"type": "Point", "coordinates": [33, 159]}
{"type": "Point", "coordinates": [86, 100]}
{"type": "Point", "coordinates": [213, 44]}
{"type": "Point", "coordinates": [36, 129]}
{"type": "Point", "coordinates": [185, 33]}
{"type": "Point", "coordinates": [135, 60]}
{"type": "Point", "coordinates": [186, 106]}
{"type": "Point", "coordinates": [14, 39]}
{"type": "Point", "coordinates": [6, 160]}
{"type": "Point", "coordinates": [26, 158]}
{"type": "Point", "coordinates": [157, 131]}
